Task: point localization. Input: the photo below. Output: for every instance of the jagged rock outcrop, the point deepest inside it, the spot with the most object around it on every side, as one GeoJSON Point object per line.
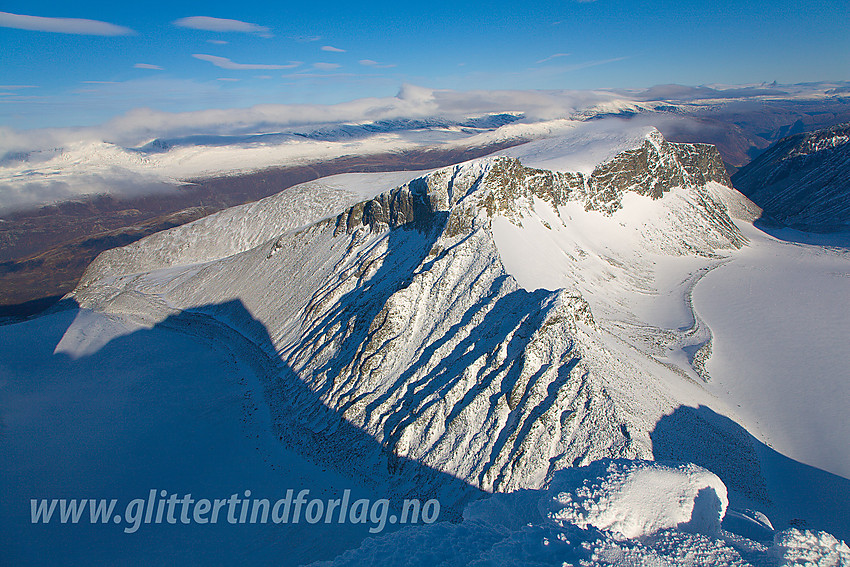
{"type": "Point", "coordinates": [803, 181]}
{"type": "Point", "coordinates": [399, 317]}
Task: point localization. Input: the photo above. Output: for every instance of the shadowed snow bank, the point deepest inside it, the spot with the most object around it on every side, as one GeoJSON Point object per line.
{"type": "Point", "coordinates": [612, 512]}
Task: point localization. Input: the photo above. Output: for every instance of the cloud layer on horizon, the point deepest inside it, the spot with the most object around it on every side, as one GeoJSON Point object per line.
{"type": "Point", "coordinates": [36, 151]}
{"type": "Point", "coordinates": [143, 124]}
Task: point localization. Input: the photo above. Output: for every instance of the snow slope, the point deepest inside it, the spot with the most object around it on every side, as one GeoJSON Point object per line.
{"type": "Point", "coordinates": [178, 407]}
{"type": "Point", "coordinates": [243, 227]}
{"type": "Point", "coordinates": [780, 316]}
{"type": "Point", "coordinates": [587, 145]}
{"type": "Point", "coordinates": [484, 326]}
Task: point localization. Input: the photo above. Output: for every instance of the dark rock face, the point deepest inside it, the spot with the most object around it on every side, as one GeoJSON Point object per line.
{"type": "Point", "coordinates": [803, 181]}
{"type": "Point", "coordinates": [650, 170]}
{"type": "Point", "coordinates": [401, 206]}
{"type": "Point", "coordinates": [654, 168]}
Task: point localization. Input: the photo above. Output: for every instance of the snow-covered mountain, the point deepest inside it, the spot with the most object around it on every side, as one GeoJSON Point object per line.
{"type": "Point", "coordinates": [337, 132]}
{"type": "Point", "coordinates": [483, 327]}
{"type": "Point", "coordinates": [804, 180]}
{"type": "Point", "coordinates": [413, 317]}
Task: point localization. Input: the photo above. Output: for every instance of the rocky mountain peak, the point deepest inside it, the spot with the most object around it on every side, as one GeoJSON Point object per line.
{"type": "Point", "coordinates": [503, 186]}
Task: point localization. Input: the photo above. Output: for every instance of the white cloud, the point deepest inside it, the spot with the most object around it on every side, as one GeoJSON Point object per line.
{"type": "Point", "coordinates": [147, 66]}
{"type": "Point", "coordinates": [375, 64]}
{"type": "Point", "coordinates": [142, 124]}
{"type": "Point", "coordinates": [217, 41]}
{"type": "Point", "coordinates": [114, 181]}
{"type": "Point", "coordinates": [225, 63]}
{"type": "Point", "coordinates": [326, 66]}
{"type": "Point", "coordinates": [333, 49]}
{"type": "Point", "coordinates": [99, 82]}
{"type": "Point", "coordinates": [553, 56]}
{"type": "Point", "coordinates": [62, 25]}
{"type": "Point", "coordinates": [220, 25]}
{"type": "Point", "coordinates": [228, 79]}
{"type": "Point", "coordinates": [16, 87]}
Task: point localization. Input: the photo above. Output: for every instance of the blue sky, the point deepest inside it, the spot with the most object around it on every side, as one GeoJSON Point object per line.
{"type": "Point", "coordinates": [163, 56]}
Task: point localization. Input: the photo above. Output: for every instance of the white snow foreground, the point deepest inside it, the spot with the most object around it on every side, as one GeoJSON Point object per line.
{"type": "Point", "coordinates": [613, 512]}
{"type": "Point", "coordinates": [400, 317]}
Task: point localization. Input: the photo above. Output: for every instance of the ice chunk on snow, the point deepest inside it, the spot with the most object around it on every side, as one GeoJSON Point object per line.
{"type": "Point", "coordinates": [630, 499]}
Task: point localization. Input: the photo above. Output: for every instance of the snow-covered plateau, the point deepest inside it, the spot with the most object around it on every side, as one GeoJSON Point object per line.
{"type": "Point", "coordinates": [581, 347]}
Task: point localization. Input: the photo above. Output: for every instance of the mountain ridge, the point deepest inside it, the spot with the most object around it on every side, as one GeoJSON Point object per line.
{"type": "Point", "coordinates": [802, 180]}
{"type": "Point", "coordinates": [400, 315]}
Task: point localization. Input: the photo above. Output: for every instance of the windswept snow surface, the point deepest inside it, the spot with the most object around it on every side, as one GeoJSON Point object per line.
{"type": "Point", "coordinates": [584, 147]}
{"type": "Point", "coordinates": [634, 499]}
{"type": "Point", "coordinates": [780, 316]}
{"type": "Point", "coordinates": [795, 548]}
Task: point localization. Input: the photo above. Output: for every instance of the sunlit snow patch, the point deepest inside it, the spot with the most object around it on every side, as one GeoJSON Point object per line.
{"type": "Point", "coordinates": [808, 548]}
{"type": "Point", "coordinates": [581, 148]}
{"type": "Point", "coordinates": [630, 499]}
